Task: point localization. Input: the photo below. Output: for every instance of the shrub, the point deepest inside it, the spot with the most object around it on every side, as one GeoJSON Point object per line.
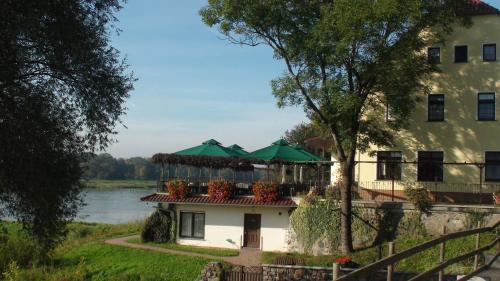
{"type": "Point", "coordinates": [157, 227]}
{"type": "Point", "coordinates": [411, 225]}
{"type": "Point", "coordinates": [419, 198]}
{"type": "Point", "coordinates": [266, 191]}
{"type": "Point", "coordinates": [19, 249]}
{"type": "Point", "coordinates": [220, 189]}
{"type": "Point", "coordinates": [177, 189]}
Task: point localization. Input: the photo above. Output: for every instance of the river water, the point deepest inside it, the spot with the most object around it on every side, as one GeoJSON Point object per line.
{"type": "Point", "coordinates": [116, 205]}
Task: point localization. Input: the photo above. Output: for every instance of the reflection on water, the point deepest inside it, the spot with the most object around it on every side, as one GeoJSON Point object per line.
{"type": "Point", "coordinates": [115, 206]}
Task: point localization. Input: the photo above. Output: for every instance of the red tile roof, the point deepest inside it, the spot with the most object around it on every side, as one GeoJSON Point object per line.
{"type": "Point", "coordinates": [477, 7]}
{"type": "Point", "coordinates": [205, 200]}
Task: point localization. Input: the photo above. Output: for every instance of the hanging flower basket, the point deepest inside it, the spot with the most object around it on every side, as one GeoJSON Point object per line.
{"type": "Point", "coordinates": [220, 189]}
{"type": "Point", "coordinates": [177, 189]}
{"type": "Point", "coordinates": [266, 191]}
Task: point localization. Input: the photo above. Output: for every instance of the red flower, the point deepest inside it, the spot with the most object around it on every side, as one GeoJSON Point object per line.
{"type": "Point", "coordinates": [220, 189]}
{"type": "Point", "coordinates": [266, 191]}
{"type": "Point", "coordinates": [343, 260]}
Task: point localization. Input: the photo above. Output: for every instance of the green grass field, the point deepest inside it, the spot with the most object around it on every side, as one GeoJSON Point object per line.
{"type": "Point", "coordinates": [84, 256]}
{"type": "Point", "coordinates": [119, 183]}
{"type": "Point", "coordinates": [199, 250]}
{"type": "Point", "coordinates": [416, 263]}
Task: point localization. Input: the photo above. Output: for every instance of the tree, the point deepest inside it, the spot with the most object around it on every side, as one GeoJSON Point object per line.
{"type": "Point", "coordinates": [301, 132]}
{"type": "Point", "coordinates": [345, 60]}
{"type": "Point", "coordinates": [62, 91]}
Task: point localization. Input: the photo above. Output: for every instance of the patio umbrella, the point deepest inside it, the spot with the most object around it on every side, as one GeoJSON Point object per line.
{"type": "Point", "coordinates": [280, 150]}
{"type": "Point", "coordinates": [312, 156]}
{"type": "Point", "coordinates": [238, 149]}
{"type": "Point", "coordinates": [209, 148]}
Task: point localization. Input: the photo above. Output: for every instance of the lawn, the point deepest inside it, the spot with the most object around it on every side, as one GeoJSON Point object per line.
{"type": "Point", "coordinates": [84, 256]}
{"type": "Point", "coordinates": [220, 252]}
{"type": "Point", "coordinates": [419, 262]}
{"type": "Point", "coordinates": [119, 183]}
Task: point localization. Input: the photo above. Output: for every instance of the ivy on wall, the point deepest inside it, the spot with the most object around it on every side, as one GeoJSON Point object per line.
{"type": "Point", "coordinates": [316, 220]}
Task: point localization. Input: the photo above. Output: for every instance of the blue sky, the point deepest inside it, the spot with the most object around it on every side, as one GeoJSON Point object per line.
{"type": "Point", "coordinates": [193, 85]}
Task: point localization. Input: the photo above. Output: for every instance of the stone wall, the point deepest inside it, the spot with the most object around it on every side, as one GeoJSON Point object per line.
{"type": "Point", "coordinates": [211, 272]}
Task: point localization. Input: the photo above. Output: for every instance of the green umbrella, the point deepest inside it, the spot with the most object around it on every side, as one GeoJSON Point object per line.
{"type": "Point", "coordinates": [238, 149]}
{"type": "Point", "coordinates": [209, 148]}
{"type": "Point", "coordinates": [312, 156]}
{"type": "Point", "coordinates": [280, 150]}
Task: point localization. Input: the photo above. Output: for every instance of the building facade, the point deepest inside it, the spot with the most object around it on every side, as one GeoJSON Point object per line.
{"type": "Point", "coordinates": [454, 130]}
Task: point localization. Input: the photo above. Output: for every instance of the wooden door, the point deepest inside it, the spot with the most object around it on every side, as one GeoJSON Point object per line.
{"type": "Point", "coordinates": [252, 231]}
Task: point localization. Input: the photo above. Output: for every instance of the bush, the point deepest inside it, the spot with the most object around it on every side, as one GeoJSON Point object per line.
{"type": "Point", "coordinates": [419, 198]}
{"type": "Point", "coordinates": [220, 189]}
{"type": "Point", "coordinates": [266, 191]}
{"type": "Point", "coordinates": [177, 189]}
{"type": "Point", "coordinates": [157, 227]}
{"type": "Point", "coordinates": [20, 250]}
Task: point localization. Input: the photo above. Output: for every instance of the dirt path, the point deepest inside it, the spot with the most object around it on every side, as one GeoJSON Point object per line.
{"type": "Point", "coordinates": [247, 257]}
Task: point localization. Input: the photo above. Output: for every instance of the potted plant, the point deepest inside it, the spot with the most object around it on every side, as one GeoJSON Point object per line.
{"type": "Point", "coordinates": [346, 262]}
{"type": "Point", "coordinates": [177, 189]}
{"type": "Point", "coordinates": [266, 191]}
{"type": "Point", "coordinates": [220, 189]}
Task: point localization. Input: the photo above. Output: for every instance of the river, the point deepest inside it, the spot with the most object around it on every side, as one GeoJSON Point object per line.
{"type": "Point", "coordinates": [114, 206]}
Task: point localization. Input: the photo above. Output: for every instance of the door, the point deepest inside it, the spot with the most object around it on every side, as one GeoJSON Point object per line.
{"type": "Point", "coordinates": [252, 231]}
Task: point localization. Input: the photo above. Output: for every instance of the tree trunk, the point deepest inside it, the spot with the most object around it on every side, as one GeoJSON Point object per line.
{"type": "Point", "coordinates": [346, 173]}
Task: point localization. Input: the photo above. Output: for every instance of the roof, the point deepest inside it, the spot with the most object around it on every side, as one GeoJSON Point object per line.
{"type": "Point", "coordinates": [477, 8]}
{"type": "Point", "coordinates": [205, 200]}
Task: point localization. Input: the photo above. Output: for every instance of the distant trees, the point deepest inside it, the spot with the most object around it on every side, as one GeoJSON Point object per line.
{"type": "Point", "coordinates": [106, 167]}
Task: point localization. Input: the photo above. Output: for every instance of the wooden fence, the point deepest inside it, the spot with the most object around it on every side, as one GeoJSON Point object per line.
{"type": "Point", "coordinates": [389, 261]}
{"type": "Point", "coordinates": [244, 273]}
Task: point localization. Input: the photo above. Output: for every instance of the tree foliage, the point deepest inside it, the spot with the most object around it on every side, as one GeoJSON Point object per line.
{"type": "Point", "coordinates": [157, 227]}
{"type": "Point", "coordinates": [345, 61]}
{"type": "Point", "coordinates": [301, 132]}
{"type": "Point", "coordinates": [106, 167]}
{"type": "Point", "coordinates": [62, 91]}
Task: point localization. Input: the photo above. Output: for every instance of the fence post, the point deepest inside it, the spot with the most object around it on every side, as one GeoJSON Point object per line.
{"type": "Point", "coordinates": [476, 257]}
{"type": "Point", "coordinates": [390, 268]}
{"type": "Point", "coordinates": [336, 271]}
{"type": "Point", "coordinates": [442, 255]}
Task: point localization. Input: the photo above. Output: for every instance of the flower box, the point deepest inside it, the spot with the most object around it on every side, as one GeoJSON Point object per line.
{"type": "Point", "coordinates": [220, 189]}
{"type": "Point", "coordinates": [266, 191]}
{"type": "Point", "coordinates": [177, 189]}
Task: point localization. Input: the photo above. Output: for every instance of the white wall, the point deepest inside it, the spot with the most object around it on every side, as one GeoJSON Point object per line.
{"type": "Point", "coordinates": [224, 226]}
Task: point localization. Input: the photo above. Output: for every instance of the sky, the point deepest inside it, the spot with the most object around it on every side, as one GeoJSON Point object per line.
{"type": "Point", "coordinates": [193, 85]}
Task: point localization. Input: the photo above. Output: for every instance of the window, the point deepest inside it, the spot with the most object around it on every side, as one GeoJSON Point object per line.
{"type": "Point", "coordinates": [461, 53]}
{"type": "Point", "coordinates": [486, 106]}
{"type": "Point", "coordinates": [489, 52]}
{"type": "Point", "coordinates": [430, 166]}
{"type": "Point", "coordinates": [492, 167]}
{"type": "Point", "coordinates": [389, 165]}
{"type": "Point", "coordinates": [192, 225]}
{"type": "Point", "coordinates": [434, 55]}
{"type": "Point", "coordinates": [435, 108]}
{"type": "Point", "coordinates": [389, 114]}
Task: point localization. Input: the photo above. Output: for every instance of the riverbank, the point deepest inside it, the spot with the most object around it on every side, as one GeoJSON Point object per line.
{"type": "Point", "coordinates": [119, 183]}
{"type": "Point", "coordinates": [85, 256]}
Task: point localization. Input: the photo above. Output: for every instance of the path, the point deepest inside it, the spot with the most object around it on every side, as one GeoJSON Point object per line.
{"type": "Point", "coordinates": [247, 257]}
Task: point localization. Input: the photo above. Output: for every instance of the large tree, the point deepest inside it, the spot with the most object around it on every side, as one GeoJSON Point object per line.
{"type": "Point", "coordinates": [62, 91]}
{"type": "Point", "coordinates": [345, 60]}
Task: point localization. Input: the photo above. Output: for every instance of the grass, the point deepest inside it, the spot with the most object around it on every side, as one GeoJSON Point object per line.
{"type": "Point", "coordinates": [417, 263]}
{"type": "Point", "coordinates": [220, 252]}
{"type": "Point", "coordinates": [119, 183]}
{"type": "Point", "coordinates": [84, 256]}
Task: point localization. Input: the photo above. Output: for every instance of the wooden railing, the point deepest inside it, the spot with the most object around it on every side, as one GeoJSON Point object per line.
{"type": "Point", "coordinates": [389, 261]}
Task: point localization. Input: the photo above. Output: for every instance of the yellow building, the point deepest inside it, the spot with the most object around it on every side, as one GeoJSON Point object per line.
{"type": "Point", "coordinates": [456, 123]}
